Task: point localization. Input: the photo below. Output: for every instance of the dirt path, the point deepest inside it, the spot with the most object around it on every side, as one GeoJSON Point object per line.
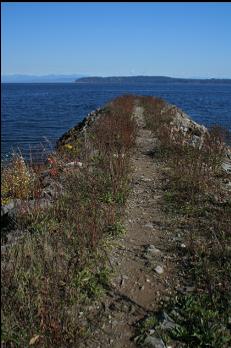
{"type": "Point", "coordinates": [143, 262]}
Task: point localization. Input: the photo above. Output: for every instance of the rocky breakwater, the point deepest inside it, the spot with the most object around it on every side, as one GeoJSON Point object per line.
{"type": "Point", "coordinates": [50, 187]}
{"type": "Point", "coordinates": [79, 132]}
{"type": "Point", "coordinates": [194, 134]}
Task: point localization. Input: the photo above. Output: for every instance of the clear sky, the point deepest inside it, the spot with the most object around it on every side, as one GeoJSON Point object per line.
{"type": "Point", "coordinates": [171, 39]}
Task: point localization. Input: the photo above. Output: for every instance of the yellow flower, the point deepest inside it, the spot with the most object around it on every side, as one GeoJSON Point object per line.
{"type": "Point", "coordinates": [69, 146]}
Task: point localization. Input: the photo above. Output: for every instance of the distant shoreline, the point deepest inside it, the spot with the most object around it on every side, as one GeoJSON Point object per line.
{"type": "Point", "coordinates": [114, 79]}
{"type": "Point", "coordinates": [207, 82]}
{"type": "Point", "coordinates": [147, 80]}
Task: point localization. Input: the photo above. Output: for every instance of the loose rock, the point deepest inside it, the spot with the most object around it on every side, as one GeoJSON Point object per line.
{"type": "Point", "coordinates": [149, 225]}
{"type": "Point", "coordinates": [153, 342]}
{"type": "Point", "coordinates": [159, 269]}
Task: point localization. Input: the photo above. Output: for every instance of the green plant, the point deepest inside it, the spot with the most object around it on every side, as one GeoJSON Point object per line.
{"type": "Point", "coordinates": [117, 229]}
{"type": "Point", "coordinates": [200, 324]}
{"type": "Point", "coordinates": [91, 283]}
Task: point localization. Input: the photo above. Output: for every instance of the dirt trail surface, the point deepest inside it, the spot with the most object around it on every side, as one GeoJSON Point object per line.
{"type": "Point", "coordinates": [143, 264]}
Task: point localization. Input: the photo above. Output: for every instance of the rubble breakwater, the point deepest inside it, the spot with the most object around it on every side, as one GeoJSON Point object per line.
{"type": "Point", "coordinates": [180, 122]}
{"type": "Point", "coordinates": [129, 217]}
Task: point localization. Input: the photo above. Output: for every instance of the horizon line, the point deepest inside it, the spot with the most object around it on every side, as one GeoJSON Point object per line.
{"type": "Point", "coordinates": [106, 76]}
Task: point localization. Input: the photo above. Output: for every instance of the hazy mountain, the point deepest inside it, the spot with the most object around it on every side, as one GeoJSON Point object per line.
{"type": "Point", "coordinates": [147, 79]}
{"type": "Point", "coordinates": [44, 78]}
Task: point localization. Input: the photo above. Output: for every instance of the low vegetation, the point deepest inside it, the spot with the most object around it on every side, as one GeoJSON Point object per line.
{"type": "Point", "coordinates": [53, 274]}
{"type": "Point", "coordinates": [197, 194]}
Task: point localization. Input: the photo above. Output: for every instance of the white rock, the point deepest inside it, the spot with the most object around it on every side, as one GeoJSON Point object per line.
{"type": "Point", "coordinates": [72, 164]}
{"type": "Point", "coordinates": [125, 277]}
{"type": "Point", "coordinates": [227, 166]}
{"type": "Point", "coordinates": [152, 250]}
{"type": "Point", "coordinates": [159, 269]}
{"type": "Point", "coordinates": [149, 225]}
{"type": "Point", "coordinates": [153, 342]}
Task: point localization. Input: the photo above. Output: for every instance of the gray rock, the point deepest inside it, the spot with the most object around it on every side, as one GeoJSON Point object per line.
{"type": "Point", "coordinates": [48, 193]}
{"type": "Point", "coordinates": [196, 140]}
{"type": "Point", "coordinates": [153, 342]}
{"type": "Point", "coordinates": [125, 277]}
{"type": "Point", "coordinates": [166, 322]}
{"type": "Point", "coordinates": [226, 166]}
{"type": "Point", "coordinates": [3, 249]}
{"type": "Point", "coordinates": [152, 250]}
{"type": "Point", "coordinates": [14, 235]}
{"type": "Point", "coordinates": [52, 190]}
{"type": "Point", "coordinates": [45, 173]}
{"type": "Point", "coordinates": [39, 203]}
{"type": "Point", "coordinates": [8, 208]}
{"type": "Point", "coordinates": [149, 225]}
{"type": "Point", "coordinates": [151, 332]}
{"type": "Point", "coordinates": [159, 269]}
{"type": "Point", "coordinates": [47, 180]}
{"type": "Point", "coordinates": [147, 179]}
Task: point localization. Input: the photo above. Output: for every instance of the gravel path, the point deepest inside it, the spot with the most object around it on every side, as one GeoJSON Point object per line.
{"type": "Point", "coordinates": [144, 265]}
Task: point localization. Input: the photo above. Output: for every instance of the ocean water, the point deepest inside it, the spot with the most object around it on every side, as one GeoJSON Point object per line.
{"type": "Point", "coordinates": [35, 115]}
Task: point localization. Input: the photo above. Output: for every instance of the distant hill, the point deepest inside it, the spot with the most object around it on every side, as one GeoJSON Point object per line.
{"type": "Point", "coordinates": [146, 79]}
{"type": "Point", "coordinates": [78, 78]}
{"type": "Point", "coordinates": [17, 78]}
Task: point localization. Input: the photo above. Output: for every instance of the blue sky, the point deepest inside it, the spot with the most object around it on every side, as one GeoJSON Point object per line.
{"type": "Point", "coordinates": [105, 39]}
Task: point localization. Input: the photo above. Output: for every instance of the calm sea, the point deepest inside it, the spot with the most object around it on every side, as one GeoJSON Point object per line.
{"type": "Point", "coordinates": [35, 115]}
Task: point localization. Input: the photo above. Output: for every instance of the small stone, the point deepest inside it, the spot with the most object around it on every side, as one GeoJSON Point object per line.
{"type": "Point", "coordinates": [189, 288]}
{"type": "Point", "coordinates": [148, 280]}
{"type": "Point", "coordinates": [79, 164]}
{"type": "Point", "coordinates": [3, 249]}
{"type": "Point", "coordinates": [152, 249]}
{"type": "Point", "coordinates": [159, 269]}
{"type": "Point", "coordinates": [227, 166]}
{"type": "Point", "coordinates": [153, 342]}
{"type": "Point", "coordinates": [147, 179]}
{"type": "Point", "coordinates": [5, 209]}
{"type": "Point", "coordinates": [167, 323]}
{"type": "Point", "coordinates": [70, 164]}
{"type": "Point", "coordinates": [149, 225]}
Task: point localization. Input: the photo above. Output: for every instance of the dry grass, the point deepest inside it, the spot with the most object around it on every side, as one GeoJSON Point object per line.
{"type": "Point", "coordinates": [60, 264]}
{"type": "Point", "coordinates": [196, 193]}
